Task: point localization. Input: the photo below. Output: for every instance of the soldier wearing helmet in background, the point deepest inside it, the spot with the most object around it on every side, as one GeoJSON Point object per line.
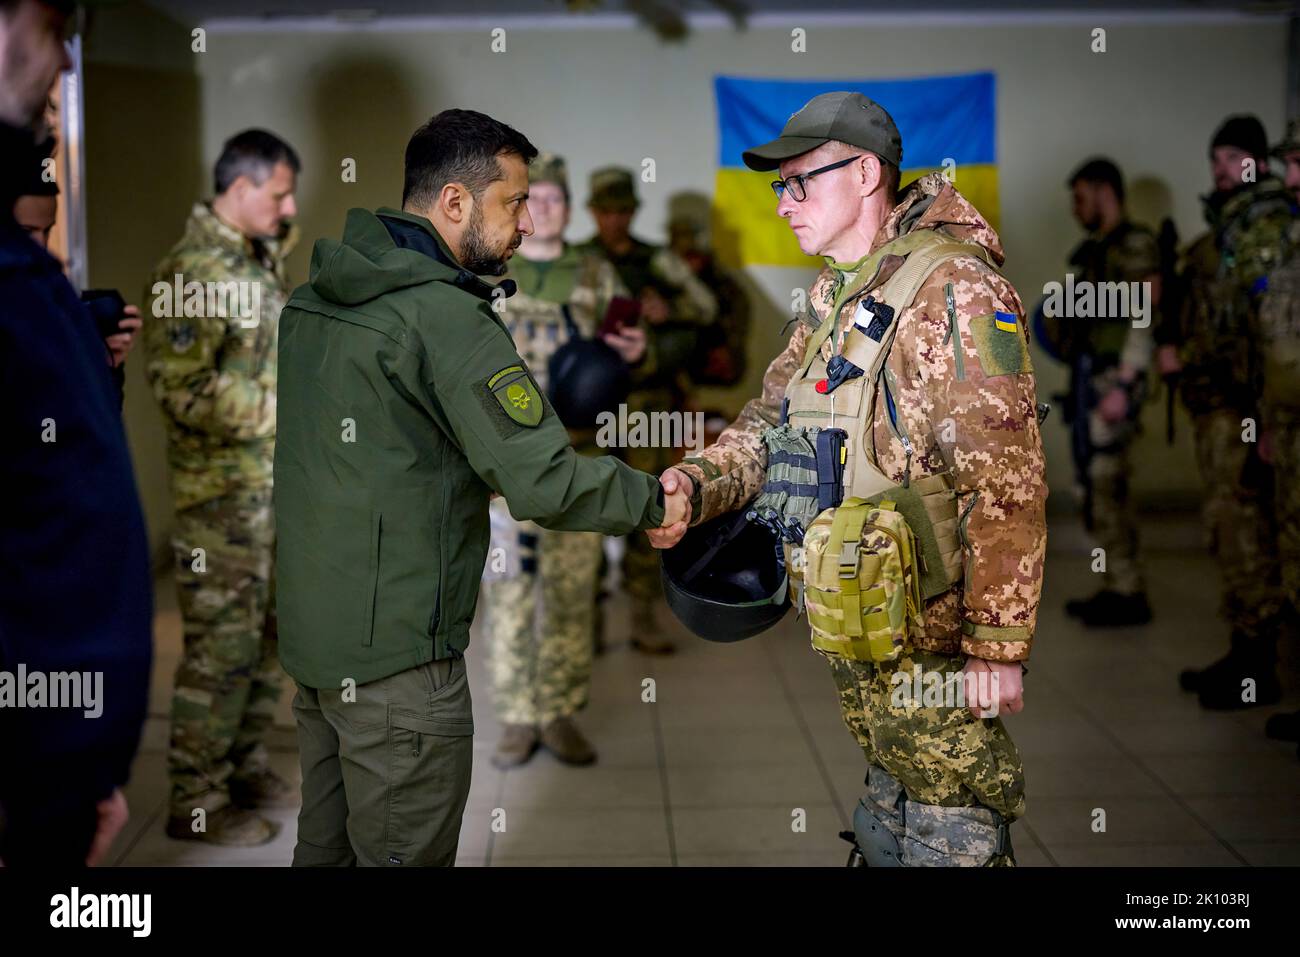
{"type": "Point", "coordinates": [674, 304]}
{"type": "Point", "coordinates": [540, 585]}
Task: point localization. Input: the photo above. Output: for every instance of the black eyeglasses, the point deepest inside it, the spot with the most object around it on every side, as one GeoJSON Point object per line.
{"type": "Point", "coordinates": [798, 184]}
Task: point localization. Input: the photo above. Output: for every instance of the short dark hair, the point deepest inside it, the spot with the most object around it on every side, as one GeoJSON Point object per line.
{"type": "Point", "coordinates": [252, 153]}
{"type": "Point", "coordinates": [1100, 171]}
{"type": "Point", "coordinates": [459, 146]}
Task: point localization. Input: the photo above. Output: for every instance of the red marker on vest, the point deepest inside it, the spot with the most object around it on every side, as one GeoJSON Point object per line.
{"type": "Point", "coordinates": [821, 386]}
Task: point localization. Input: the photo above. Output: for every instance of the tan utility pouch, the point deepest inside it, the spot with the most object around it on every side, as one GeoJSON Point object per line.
{"type": "Point", "coordinates": [861, 581]}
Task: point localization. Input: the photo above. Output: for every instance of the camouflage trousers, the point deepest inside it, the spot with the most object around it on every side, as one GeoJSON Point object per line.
{"type": "Point", "coordinates": [641, 576]}
{"type": "Point", "coordinates": [229, 676]}
{"type": "Point", "coordinates": [540, 659]}
{"type": "Point", "coordinates": [1236, 518]}
{"type": "Point", "coordinates": [943, 757]}
{"type": "Point", "coordinates": [1114, 521]}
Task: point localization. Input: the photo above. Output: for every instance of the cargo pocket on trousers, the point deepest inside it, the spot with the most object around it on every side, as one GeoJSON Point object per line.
{"type": "Point", "coordinates": [431, 752]}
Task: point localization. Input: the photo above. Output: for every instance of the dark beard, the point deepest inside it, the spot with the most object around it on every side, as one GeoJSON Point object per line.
{"type": "Point", "coordinates": [476, 255]}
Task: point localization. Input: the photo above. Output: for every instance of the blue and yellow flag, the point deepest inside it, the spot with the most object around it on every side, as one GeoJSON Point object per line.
{"type": "Point", "coordinates": [943, 120]}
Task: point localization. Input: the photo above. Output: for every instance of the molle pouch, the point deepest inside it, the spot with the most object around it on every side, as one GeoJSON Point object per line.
{"type": "Point", "coordinates": [861, 583]}
{"type": "Point", "coordinates": [796, 483]}
{"type": "Point", "coordinates": [929, 505]}
{"type": "Point", "coordinates": [831, 451]}
{"type": "Point", "coordinates": [863, 341]}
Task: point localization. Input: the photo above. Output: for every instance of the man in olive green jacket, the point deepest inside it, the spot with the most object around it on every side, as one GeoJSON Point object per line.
{"type": "Point", "coordinates": [403, 408]}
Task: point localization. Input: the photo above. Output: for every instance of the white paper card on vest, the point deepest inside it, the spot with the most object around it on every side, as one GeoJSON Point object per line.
{"type": "Point", "coordinates": [862, 316]}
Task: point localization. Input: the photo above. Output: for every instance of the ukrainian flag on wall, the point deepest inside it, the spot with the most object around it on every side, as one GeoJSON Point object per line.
{"type": "Point", "coordinates": [940, 118]}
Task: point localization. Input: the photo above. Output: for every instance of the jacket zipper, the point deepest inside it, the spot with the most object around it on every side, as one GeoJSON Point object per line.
{"type": "Point", "coordinates": [954, 334]}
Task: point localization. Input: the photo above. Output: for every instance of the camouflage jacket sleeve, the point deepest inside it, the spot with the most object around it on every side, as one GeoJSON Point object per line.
{"type": "Point", "coordinates": [694, 302]}
{"type": "Point", "coordinates": [983, 413]}
{"type": "Point", "coordinates": [206, 371]}
{"type": "Point", "coordinates": [730, 472]}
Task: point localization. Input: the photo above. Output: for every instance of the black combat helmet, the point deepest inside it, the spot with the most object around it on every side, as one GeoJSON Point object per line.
{"type": "Point", "coordinates": [587, 377]}
{"type": "Point", "coordinates": [725, 580]}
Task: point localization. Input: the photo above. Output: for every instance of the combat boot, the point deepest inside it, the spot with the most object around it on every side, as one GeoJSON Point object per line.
{"type": "Point", "coordinates": [230, 826]}
{"type": "Point", "coordinates": [1219, 686]}
{"type": "Point", "coordinates": [262, 788]}
{"type": "Point", "coordinates": [517, 744]}
{"type": "Point", "coordinates": [1111, 609]}
{"type": "Point", "coordinates": [563, 739]}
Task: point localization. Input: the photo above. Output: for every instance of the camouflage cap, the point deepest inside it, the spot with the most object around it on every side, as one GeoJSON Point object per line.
{"type": "Point", "coordinates": [1291, 141]}
{"type": "Point", "coordinates": [549, 168]}
{"type": "Point", "coordinates": [847, 117]}
{"type": "Point", "coordinates": [613, 187]}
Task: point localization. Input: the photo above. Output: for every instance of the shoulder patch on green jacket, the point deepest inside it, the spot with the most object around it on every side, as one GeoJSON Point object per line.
{"type": "Point", "coordinates": [516, 395]}
{"type": "Point", "coordinates": [1001, 346]}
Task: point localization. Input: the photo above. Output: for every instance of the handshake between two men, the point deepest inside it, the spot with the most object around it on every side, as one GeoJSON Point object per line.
{"type": "Point", "coordinates": [678, 490]}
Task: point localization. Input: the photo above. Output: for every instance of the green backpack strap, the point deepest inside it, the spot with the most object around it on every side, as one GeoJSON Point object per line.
{"type": "Point", "coordinates": [904, 245]}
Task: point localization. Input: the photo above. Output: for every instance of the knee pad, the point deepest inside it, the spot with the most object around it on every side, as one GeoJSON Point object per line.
{"type": "Point", "coordinates": [892, 831]}
{"type": "Point", "coordinates": [878, 821]}
{"type": "Point", "coordinates": [936, 836]}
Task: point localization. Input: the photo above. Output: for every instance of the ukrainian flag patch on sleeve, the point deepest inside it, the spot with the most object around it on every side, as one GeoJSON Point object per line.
{"type": "Point", "coordinates": [999, 353]}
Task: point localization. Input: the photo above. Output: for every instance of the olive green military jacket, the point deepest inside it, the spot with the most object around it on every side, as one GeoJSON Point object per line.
{"type": "Point", "coordinates": [403, 405]}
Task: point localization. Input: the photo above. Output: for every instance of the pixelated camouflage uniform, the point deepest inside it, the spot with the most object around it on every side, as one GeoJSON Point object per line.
{"type": "Point", "coordinates": [660, 384]}
{"type": "Point", "coordinates": [1217, 338]}
{"type": "Point", "coordinates": [541, 658]}
{"type": "Point", "coordinates": [1279, 345]}
{"type": "Point", "coordinates": [1128, 253]}
{"type": "Point", "coordinates": [977, 420]}
{"type": "Point", "coordinates": [215, 381]}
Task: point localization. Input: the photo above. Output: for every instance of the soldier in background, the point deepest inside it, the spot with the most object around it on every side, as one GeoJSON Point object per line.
{"type": "Point", "coordinates": [214, 375]}
{"type": "Point", "coordinates": [1215, 350]}
{"type": "Point", "coordinates": [1109, 357]}
{"type": "Point", "coordinates": [720, 359]}
{"type": "Point", "coordinates": [541, 657]}
{"type": "Point", "coordinates": [674, 304]}
{"type": "Point", "coordinates": [1279, 338]}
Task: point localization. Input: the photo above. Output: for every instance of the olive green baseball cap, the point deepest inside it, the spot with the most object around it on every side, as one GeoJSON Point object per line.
{"type": "Point", "coordinates": [613, 188]}
{"type": "Point", "coordinates": [847, 117]}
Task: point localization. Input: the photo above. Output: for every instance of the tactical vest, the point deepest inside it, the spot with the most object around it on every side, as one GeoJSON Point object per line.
{"type": "Point", "coordinates": [863, 552]}
{"type": "Point", "coordinates": [1279, 346]}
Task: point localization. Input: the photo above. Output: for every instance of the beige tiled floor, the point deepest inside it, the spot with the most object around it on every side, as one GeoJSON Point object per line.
{"type": "Point", "coordinates": [744, 737]}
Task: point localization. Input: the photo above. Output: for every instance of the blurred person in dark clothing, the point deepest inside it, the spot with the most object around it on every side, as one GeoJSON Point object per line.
{"type": "Point", "coordinates": [75, 599]}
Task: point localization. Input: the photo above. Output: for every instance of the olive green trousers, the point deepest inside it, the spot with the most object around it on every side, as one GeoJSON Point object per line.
{"type": "Point", "coordinates": [385, 769]}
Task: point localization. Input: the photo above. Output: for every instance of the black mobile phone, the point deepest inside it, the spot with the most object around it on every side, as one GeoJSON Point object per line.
{"type": "Point", "coordinates": [107, 308]}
